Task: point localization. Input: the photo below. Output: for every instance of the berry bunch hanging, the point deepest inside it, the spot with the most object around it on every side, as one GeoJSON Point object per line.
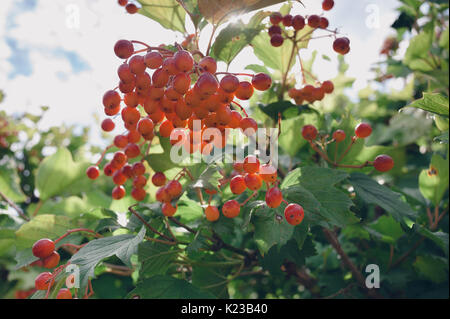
{"type": "Point", "coordinates": [162, 91]}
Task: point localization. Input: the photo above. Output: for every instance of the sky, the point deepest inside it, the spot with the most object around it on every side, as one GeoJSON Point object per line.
{"type": "Point", "coordinates": [60, 53]}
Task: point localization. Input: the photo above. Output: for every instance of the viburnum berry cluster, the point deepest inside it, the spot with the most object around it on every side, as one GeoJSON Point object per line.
{"type": "Point", "coordinates": [45, 250]}
{"type": "Point", "coordinates": [382, 163]}
{"type": "Point", "coordinates": [287, 28]}
{"type": "Point", "coordinates": [251, 175]}
{"type": "Point", "coordinates": [130, 6]}
{"type": "Point", "coordinates": [166, 91]}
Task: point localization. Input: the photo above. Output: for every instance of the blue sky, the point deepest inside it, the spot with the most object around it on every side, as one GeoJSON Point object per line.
{"type": "Point", "coordinates": [59, 53]}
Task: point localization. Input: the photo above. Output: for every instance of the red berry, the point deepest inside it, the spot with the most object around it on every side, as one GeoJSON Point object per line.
{"type": "Point", "coordinates": [274, 30]}
{"type": "Point", "coordinates": [212, 213]}
{"type": "Point", "coordinates": [294, 214]}
{"type": "Point", "coordinates": [131, 115]}
{"type": "Point", "coordinates": [139, 181]}
{"type": "Point", "coordinates": [64, 293]}
{"type": "Point", "coordinates": [363, 130]}
{"type": "Point", "coordinates": [120, 141]}
{"type": "Point", "coordinates": [231, 209]}
{"type": "Point", "coordinates": [328, 87]}
{"type": "Point", "coordinates": [208, 64]}
{"type": "Point", "coordinates": [274, 197]}
{"type": "Point", "coordinates": [118, 192]}
{"type": "Point", "coordinates": [229, 83]}
{"type": "Point", "coordinates": [51, 261]}
{"type": "Point", "coordinates": [168, 210]}
{"type": "Point", "coordinates": [159, 179]}
{"type": "Point", "coordinates": [206, 85]}
{"type": "Point", "coordinates": [138, 194]}
{"type": "Point", "coordinates": [275, 18]}
{"type": "Point", "coordinates": [314, 21]}
{"type": "Point", "coordinates": [119, 178]}
{"type": "Point", "coordinates": [43, 248]}
{"type": "Point", "coordinates": [108, 125]}
{"type": "Point", "coordinates": [323, 23]}
{"type": "Point", "coordinates": [153, 60]}
{"type": "Point", "coordinates": [123, 49]}
{"type": "Point", "coordinates": [127, 170]}
{"type": "Point", "coordinates": [309, 132]}
{"type": "Point", "coordinates": [341, 45]}
{"type": "Point", "coordinates": [109, 169]}
{"type": "Point", "coordinates": [119, 159]}
{"type": "Point", "coordinates": [174, 188]}
{"type": "Point", "coordinates": [276, 40]}
{"type": "Point", "coordinates": [383, 163]}
{"type": "Point", "coordinates": [253, 181]}
{"type": "Point", "coordinates": [137, 64]}
{"type": "Point", "coordinates": [298, 22]}
{"type": "Point", "coordinates": [248, 126]}
{"type": "Point", "coordinates": [244, 90]}
{"type": "Point", "coordinates": [93, 172]}
{"type": "Point", "coordinates": [138, 169]}
{"type": "Point", "coordinates": [162, 195]}
{"type": "Point", "coordinates": [181, 83]}
{"type": "Point", "coordinates": [42, 281]}
{"type": "Point", "coordinates": [132, 150]}
{"type": "Point", "coordinates": [160, 78]}
{"type": "Point", "coordinates": [237, 185]}
{"type": "Point", "coordinates": [122, 3]}
{"type": "Point", "coordinates": [111, 99]}
{"type": "Point", "coordinates": [183, 61]}
{"type": "Point", "coordinates": [327, 5]}
{"type": "Point", "coordinates": [145, 126]}
{"type": "Point", "coordinates": [261, 81]}
{"type": "Point", "coordinates": [268, 173]}
{"type": "Point", "coordinates": [125, 74]}
{"type": "Point", "coordinates": [166, 128]}
{"type": "Point", "coordinates": [339, 135]}
{"type": "Point", "coordinates": [251, 164]}
{"type": "Point", "coordinates": [131, 8]}
{"type": "Point", "coordinates": [287, 20]}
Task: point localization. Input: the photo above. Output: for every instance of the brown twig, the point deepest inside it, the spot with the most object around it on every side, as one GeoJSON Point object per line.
{"type": "Point", "coordinates": [15, 206]}
{"type": "Point", "coordinates": [135, 213]}
{"type": "Point", "coordinates": [332, 239]}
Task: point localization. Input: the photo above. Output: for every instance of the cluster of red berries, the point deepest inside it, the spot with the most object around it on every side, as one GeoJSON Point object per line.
{"type": "Point", "coordinates": [311, 94]}
{"type": "Point", "coordinates": [130, 7]}
{"type": "Point", "coordinates": [250, 174]}
{"type": "Point", "coordinates": [167, 193]}
{"type": "Point", "coordinates": [278, 32]}
{"type": "Point", "coordinates": [382, 163]}
{"type": "Point", "coordinates": [44, 249]}
{"type": "Point", "coordinates": [165, 101]}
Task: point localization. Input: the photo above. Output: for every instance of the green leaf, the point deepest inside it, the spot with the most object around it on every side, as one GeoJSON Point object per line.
{"type": "Point", "coordinates": [432, 268]}
{"type": "Point", "coordinates": [290, 138]}
{"type": "Point", "coordinates": [218, 11]}
{"type": "Point", "coordinates": [122, 246]}
{"type": "Point", "coordinates": [277, 58]}
{"type": "Point", "coordinates": [166, 287]}
{"type": "Point", "coordinates": [168, 13]}
{"type": "Point", "coordinates": [373, 193]}
{"type": "Point", "coordinates": [56, 173]}
{"type": "Point", "coordinates": [188, 209]}
{"type": "Point", "coordinates": [416, 56]}
{"type": "Point", "coordinates": [7, 239]}
{"type": "Point", "coordinates": [388, 228]}
{"type": "Point", "coordinates": [209, 178]}
{"type": "Point", "coordinates": [10, 184]}
{"type": "Point", "coordinates": [439, 238]}
{"type": "Point", "coordinates": [41, 226]}
{"type": "Point", "coordinates": [155, 258]}
{"type": "Point", "coordinates": [210, 274]}
{"type": "Point", "coordinates": [271, 228]}
{"type": "Point", "coordinates": [235, 37]}
{"type": "Point", "coordinates": [433, 182]}
{"type": "Point", "coordinates": [334, 204]}
{"type": "Point", "coordinates": [432, 102]}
